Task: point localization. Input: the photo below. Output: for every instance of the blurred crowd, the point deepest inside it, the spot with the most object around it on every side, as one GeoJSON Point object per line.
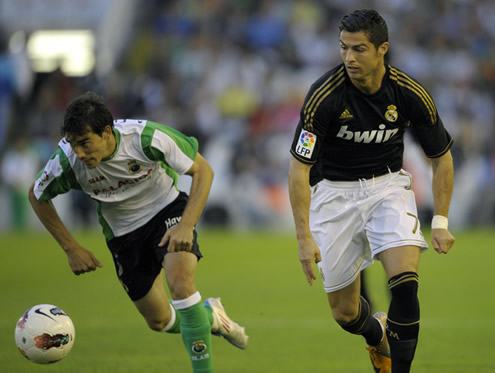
{"type": "Point", "coordinates": [234, 73]}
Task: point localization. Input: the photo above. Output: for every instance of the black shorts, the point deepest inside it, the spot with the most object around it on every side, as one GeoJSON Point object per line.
{"type": "Point", "coordinates": [136, 255]}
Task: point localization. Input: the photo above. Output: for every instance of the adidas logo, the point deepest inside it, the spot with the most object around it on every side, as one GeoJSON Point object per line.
{"type": "Point", "coordinates": [346, 115]}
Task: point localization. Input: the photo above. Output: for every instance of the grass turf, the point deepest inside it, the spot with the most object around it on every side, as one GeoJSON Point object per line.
{"type": "Point", "coordinates": [262, 286]}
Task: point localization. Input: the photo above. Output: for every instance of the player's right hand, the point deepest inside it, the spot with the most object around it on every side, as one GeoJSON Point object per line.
{"type": "Point", "coordinates": [82, 260]}
{"type": "Point", "coordinates": [309, 254]}
{"type": "Point", "coordinates": [442, 240]}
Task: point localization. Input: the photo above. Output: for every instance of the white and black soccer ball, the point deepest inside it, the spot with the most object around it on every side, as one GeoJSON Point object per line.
{"type": "Point", "coordinates": [44, 334]}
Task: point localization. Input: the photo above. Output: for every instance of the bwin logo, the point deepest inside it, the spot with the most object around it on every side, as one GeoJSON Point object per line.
{"type": "Point", "coordinates": [377, 136]}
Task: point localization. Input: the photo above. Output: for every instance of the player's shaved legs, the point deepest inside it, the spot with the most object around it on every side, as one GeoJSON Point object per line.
{"type": "Point", "coordinates": [154, 306]}
{"type": "Point", "coordinates": [401, 265]}
{"type": "Point", "coordinates": [352, 312]}
{"type": "Point", "coordinates": [345, 302]}
{"type": "Point", "coordinates": [180, 268]}
{"type": "Point", "coordinates": [400, 259]}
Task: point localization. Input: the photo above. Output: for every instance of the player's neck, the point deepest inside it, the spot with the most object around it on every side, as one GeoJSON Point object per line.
{"type": "Point", "coordinates": [111, 145]}
{"type": "Point", "coordinates": [372, 83]}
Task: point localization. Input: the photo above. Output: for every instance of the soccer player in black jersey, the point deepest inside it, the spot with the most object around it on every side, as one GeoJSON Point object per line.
{"type": "Point", "coordinates": [352, 202]}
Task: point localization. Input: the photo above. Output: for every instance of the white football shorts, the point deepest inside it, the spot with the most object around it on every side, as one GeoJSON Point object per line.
{"type": "Point", "coordinates": [352, 222]}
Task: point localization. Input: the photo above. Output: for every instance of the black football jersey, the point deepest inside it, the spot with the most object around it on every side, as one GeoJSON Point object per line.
{"type": "Point", "coordinates": [349, 135]}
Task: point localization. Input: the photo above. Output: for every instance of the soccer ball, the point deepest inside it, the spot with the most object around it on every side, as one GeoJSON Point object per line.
{"type": "Point", "coordinates": [44, 334]}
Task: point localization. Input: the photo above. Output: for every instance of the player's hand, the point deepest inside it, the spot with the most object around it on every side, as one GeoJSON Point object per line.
{"type": "Point", "coordinates": [309, 254]}
{"type": "Point", "coordinates": [82, 260]}
{"type": "Point", "coordinates": [442, 240]}
{"type": "Point", "coordinates": [179, 238]}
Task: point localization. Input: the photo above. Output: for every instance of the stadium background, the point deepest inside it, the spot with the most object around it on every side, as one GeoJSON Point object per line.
{"type": "Point", "coordinates": [234, 74]}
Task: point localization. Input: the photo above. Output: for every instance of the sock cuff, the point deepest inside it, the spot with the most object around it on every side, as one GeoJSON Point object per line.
{"type": "Point", "coordinates": [364, 314]}
{"type": "Point", "coordinates": [173, 316]}
{"type": "Point", "coordinates": [402, 278]}
{"type": "Point", "coordinates": [188, 302]}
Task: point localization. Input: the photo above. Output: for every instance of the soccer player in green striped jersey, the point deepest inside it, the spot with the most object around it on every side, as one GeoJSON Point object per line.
{"type": "Point", "coordinates": [131, 167]}
{"type": "Point", "coordinates": [352, 202]}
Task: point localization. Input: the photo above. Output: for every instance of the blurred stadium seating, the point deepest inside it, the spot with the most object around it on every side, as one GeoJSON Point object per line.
{"type": "Point", "coordinates": [234, 74]}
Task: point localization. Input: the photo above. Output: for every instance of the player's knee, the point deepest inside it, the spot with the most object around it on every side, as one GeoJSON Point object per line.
{"type": "Point", "coordinates": [157, 324]}
{"type": "Point", "coordinates": [158, 319]}
{"type": "Point", "coordinates": [344, 316]}
{"type": "Point", "coordinates": [181, 284]}
{"type": "Point", "coordinates": [352, 319]}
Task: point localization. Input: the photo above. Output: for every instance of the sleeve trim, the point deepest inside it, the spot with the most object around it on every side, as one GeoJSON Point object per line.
{"type": "Point", "coordinates": [300, 159]}
{"type": "Point", "coordinates": [443, 151]}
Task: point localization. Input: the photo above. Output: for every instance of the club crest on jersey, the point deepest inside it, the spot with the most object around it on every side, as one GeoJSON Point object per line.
{"type": "Point", "coordinates": [133, 167]}
{"type": "Point", "coordinates": [306, 144]}
{"type": "Point", "coordinates": [391, 114]}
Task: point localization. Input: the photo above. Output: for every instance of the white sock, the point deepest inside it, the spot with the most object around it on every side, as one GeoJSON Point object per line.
{"type": "Point", "coordinates": [172, 319]}
{"type": "Point", "coordinates": [188, 302]}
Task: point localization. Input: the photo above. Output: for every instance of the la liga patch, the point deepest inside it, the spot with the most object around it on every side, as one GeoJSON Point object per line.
{"type": "Point", "coordinates": [306, 144]}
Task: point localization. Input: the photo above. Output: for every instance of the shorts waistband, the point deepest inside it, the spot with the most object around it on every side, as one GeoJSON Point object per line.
{"type": "Point", "coordinates": [374, 182]}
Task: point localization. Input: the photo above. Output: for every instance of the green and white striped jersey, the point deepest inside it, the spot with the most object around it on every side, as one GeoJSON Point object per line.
{"type": "Point", "coordinates": [133, 184]}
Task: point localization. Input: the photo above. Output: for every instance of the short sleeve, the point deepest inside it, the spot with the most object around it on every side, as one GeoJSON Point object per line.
{"type": "Point", "coordinates": [165, 144]}
{"type": "Point", "coordinates": [57, 177]}
{"type": "Point", "coordinates": [428, 126]}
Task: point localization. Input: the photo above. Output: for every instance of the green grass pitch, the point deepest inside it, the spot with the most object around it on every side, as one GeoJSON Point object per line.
{"type": "Point", "coordinates": [262, 286]}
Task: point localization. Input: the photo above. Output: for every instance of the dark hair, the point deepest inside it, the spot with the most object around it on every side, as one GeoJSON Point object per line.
{"type": "Point", "coordinates": [86, 113]}
{"type": "Point", "coordinates": [369, 21]}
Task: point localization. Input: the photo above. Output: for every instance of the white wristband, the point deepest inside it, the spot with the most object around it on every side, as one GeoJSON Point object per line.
{"type": "Point", "coordinates": [439, 222]}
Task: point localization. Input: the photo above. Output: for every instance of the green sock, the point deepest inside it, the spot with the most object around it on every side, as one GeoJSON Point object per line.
{"type": "Point", "coordinates": [175, 328]}
{"type": "Point", "coordinates": [196, 334]}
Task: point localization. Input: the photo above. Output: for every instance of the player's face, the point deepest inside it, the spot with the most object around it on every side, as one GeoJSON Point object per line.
{"type": "Point", "coordinates": [91, 148]}
{"type": "Point", "coordinates": [361, 58]}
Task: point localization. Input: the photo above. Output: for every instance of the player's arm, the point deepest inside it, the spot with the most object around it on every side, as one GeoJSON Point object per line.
{"type": "Point", "coordinates": [300, 199]}
{"type": "Point", "coordinates": [180, 237]}
{"type": "Point", "coordinates": [442, 186]}
{"type": "Point", "coordinates": [80, 259]}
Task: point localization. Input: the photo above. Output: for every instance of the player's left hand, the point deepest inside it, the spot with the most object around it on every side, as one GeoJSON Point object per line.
{"type": "Point", "coordinates": [179, 238]}
{"type": "Point", "coordinates": [442, 240]}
